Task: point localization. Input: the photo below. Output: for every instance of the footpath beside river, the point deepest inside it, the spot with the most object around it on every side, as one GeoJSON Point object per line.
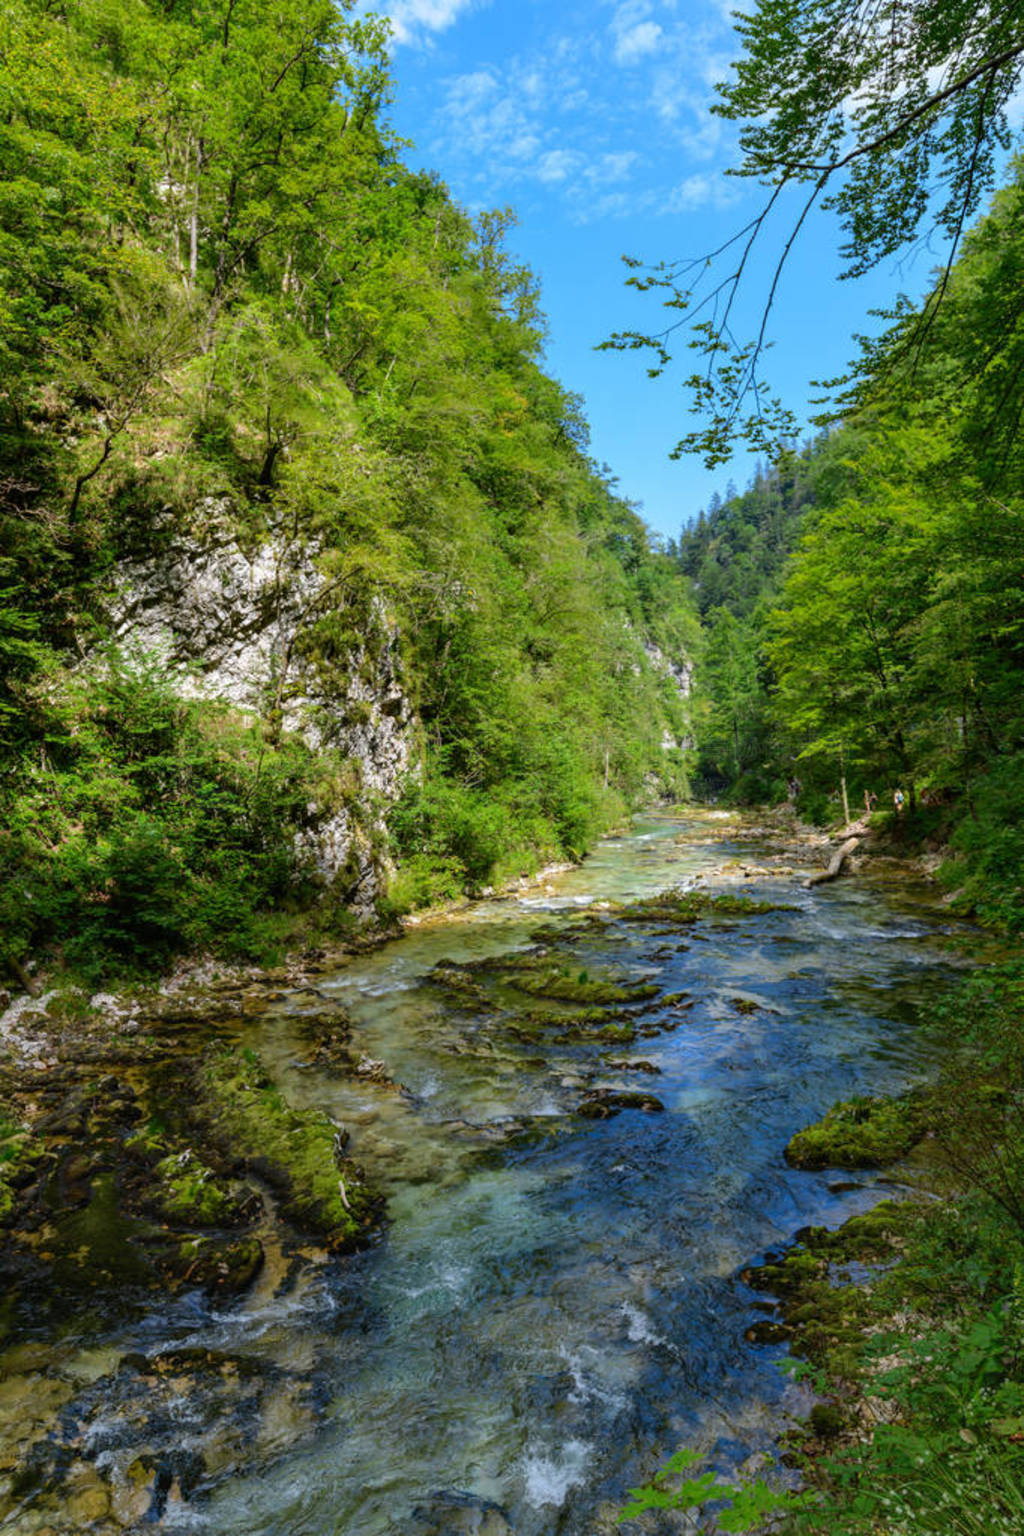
{"type": "Point", "coordinates": [451, 1238]}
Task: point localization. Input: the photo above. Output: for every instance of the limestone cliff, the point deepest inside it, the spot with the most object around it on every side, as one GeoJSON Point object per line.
{"type": "Point", "coordinates": [678, 672]}
{"type": "Point", "coordinates": [233, 622]}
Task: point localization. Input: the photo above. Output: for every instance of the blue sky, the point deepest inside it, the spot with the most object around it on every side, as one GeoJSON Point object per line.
{"type": "Point", "coordinates": [591, 118]}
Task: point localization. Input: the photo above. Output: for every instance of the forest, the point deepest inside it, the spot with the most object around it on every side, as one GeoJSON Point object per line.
{"type": "Point", "coordinates": [861, 600]}
{"type": "Point", "coordinates": [240, 334]}
{"type": "Point", "coordinates": [226, 299]}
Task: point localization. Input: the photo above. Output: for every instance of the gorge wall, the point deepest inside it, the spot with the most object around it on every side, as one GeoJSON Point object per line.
{"type": "Point", "coordinates": [231, 622]}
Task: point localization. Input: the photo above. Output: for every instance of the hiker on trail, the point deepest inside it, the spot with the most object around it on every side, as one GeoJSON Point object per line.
{"type": "Point", "coordinates": [870, 800]}
{"type": "Point", "coordinates": [898, 802]}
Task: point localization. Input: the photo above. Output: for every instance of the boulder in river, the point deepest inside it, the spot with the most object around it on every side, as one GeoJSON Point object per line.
{"type": "Point", "coordinates": [602, 1103]}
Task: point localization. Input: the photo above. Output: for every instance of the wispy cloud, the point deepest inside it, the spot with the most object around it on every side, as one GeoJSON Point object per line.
{"type": "Point", "coordinates": [634, 34]}
{"type": "Point", "coordinates": [701, 191]}
{"type": "Point", "coordinates": [613, 121]}
{"type": "Point", "coordinates": [414, 21]}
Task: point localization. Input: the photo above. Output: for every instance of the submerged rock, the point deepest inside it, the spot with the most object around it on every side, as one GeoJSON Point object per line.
{"type": "Point", "coordinates": [458, 1514]}
{"type": "Point", "coordinates": [639, 1065]}
{"type": "Point", "coordinates": [863, 1132]}
{"type": "Point", "coordinates": [602, 1103]}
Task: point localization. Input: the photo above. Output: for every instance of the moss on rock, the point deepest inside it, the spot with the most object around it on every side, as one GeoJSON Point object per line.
{"type": "Point", "coordinates": [224, 1267]}
{"type": "Point", "coordinates": [561, 985]}
{"type": "Point", "coordinates": [674, 907]}
{"type": "Point", "coordinates": [861, 1133]}
{"type": "Point", "coordinates": [19, 1156]}
{"type": "Point", "coordinates": [190, 1194]}
{"type": "Point", "coordinates": [823, 1303]}
{"type": "Point", "coordinates": [295, 1151]}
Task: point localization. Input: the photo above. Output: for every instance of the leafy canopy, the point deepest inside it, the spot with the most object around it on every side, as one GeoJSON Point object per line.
{"type": "Point", "coordinates": [893, 113]}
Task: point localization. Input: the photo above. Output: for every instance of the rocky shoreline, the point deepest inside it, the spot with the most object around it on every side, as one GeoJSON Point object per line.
{"type": "Point", "coordinates": [151, 1098]}
{"type": "Point", "coordinates": [145, 1151]}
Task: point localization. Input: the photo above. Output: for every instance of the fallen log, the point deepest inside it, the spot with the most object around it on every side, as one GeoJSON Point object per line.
{"type": "Point", "coordinates": [836, 863]}
{"type": "Point", "coordinates": [18, 971]}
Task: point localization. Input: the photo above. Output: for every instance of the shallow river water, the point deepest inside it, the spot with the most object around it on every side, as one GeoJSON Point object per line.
{"type": "Point", "coordinates": [555, 1305]}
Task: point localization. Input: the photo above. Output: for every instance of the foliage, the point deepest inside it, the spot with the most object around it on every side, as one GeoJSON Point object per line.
{"type": "Point", "coordinates": [147, 825]}
{"type": "Point", "coordinates": [219, 281]}
{"type": "Point", "coordinates": [748, 1505]}
{"type": "Point", "coordinates": [874, 641]}
{"type": "Point", "coordinates": [892, 114]}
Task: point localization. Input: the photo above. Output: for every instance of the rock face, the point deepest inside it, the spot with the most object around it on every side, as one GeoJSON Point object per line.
{"type": "Point", "coordinates": [232, 622]}
{"type": "Point", "coordinates": [680, 674]}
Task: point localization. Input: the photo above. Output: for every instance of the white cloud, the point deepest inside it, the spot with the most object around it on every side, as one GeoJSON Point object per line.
{"type": "Point", "coordinates": [612, 168]}
{"type": "Point", "coordinates": [413, 21]}
{"type": "Point", "coordinates": [638, 42]}
{"type": "Point", "coordinates": [711, 190]}
{"type": "Point", "coordinates": [559, 122]}
{"type": "Point", "coordinates": [557, 165]}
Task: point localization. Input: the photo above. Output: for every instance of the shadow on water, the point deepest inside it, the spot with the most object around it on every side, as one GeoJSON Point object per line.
{"type": "Point", "coordinates": [554, 1307]}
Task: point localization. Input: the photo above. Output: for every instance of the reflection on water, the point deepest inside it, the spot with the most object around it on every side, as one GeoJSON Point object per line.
{"type": "Point", "coordinates": [554, 1307]}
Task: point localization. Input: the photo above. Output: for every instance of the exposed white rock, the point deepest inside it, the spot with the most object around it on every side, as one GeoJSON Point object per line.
{"type": "Point", "coordinates": [223, 619]}
{"type": "Point", "coordinates": [680, 672]}
{"type": "Point", "coordinates": [679, 669]}
{"type": "Point", "coordinates": [23, 1030]}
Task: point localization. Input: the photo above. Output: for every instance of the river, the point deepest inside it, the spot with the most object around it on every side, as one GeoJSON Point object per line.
{"type": "Point", "coordinates": [554, 1307]}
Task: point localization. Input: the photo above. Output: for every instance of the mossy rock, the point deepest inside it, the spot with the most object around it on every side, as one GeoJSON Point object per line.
{"type": "Point", "coordinates": [603, 1103]}
{"type": "Point", "coordinates": [869, 1238]}
{"type": "Point", "coordinates": [20, 1157]}
{"type": "Point", "coordinates": [223, 1267]}
{"type": "Point", "coordinates": [617, 1034]}
{"type": "Point", "coordinates": [823, 1314]}
{"type": "Point", "coordinates": [675, 907]}
{"type": "Point", "coordinates": [457, 983]}
{"type": "Point", "coordinates": [149, 1142]}
{"type": "Point", "coordinates": [239, 1107]}
{"type": "Point", "coordinates": [568, 1018]}
{"type": "Point", "coordinates": [563, 986]}
{"type": "Point", "coordinates": [189, 1194]}
{"type": "Point", "coordinates": [861, 1133]}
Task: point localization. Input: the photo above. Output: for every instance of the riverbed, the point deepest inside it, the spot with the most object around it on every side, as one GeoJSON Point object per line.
{"type": "Point", "coordinates": [554, 1306]}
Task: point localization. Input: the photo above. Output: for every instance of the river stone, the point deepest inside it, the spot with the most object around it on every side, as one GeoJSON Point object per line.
{"type": "Point", "coordinates": [602, 1103]}
{"type": "Point", "coordinates": [459, 1514]}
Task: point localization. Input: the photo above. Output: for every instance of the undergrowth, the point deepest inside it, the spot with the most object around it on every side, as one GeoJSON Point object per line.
{"type": "Point", "coordinates": [923, 1433]}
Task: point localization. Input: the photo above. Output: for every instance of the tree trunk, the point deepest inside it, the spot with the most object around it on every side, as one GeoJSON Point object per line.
{"type": "Point", "coordinates": [193, 225]}
{"type": "Point", "coordinates": [836, 863]}
{"type": "Point", "coordinates": [31, 986]}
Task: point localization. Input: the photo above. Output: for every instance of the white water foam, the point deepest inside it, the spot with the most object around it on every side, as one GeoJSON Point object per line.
{"type": "Point", "coordinates": [586, 1388]}
{"type": "Point", "coordinates": [638, 1326]}
{"type": "Point", "coordinates": [550, 1476]}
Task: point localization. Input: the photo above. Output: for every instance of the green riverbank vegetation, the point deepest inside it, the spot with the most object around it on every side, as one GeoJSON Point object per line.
{"type": "Point", "coordinates": [863, 629]}
{"type": "Point", "coordinates": [862, 654]}
{"type": "Point", "coordinates": [862, 634]}
{"type": "Point", "coordinates": [224, 295]}
{"type": "Point", "coordinates": [908, 1321]}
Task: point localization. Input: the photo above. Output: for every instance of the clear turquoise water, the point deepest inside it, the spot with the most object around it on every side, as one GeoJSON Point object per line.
{"type": "Point", "coordinates": [551, 1313]}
